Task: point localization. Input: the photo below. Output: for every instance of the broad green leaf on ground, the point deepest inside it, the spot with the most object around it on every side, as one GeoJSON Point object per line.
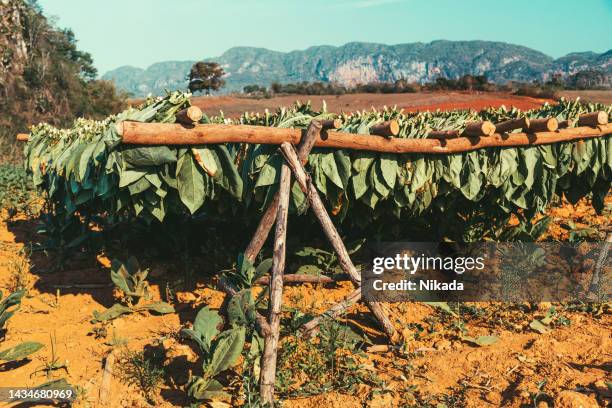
{"type": "Point", "coordinates": [539, 326]}
{"type": "Point", "coordinates": [20, 351]}
{"type": "Point", "coordinates": [226, 349]}
{"type": "Point", "coordinates": [111, 313]}
{"type": "Point", "coordinates": [442, 306]}
{"type": "Point", "coordinates": [481, 340]}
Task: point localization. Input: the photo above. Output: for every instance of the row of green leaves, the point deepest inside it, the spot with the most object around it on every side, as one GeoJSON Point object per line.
{"type": "Point", "coordinates": [87, 171]}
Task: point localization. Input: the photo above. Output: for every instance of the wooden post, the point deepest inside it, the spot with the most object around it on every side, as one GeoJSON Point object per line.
{"type": "Point", "coordinates": [543, 125]}
{"type": "Point", "coordinates": [389, 128]}
{"type": "Point", "coordinates": [512, 124]}
{"type": "Point", "coordinates": [268, 361]}
{"type": "Point", "coordinates": [267, 220]}
{"type": "Point", "coordinates": [593, 119]}
{"type": "Point", "coordinates": [477, 129]}
{"type": "Point", "coordinates": [567, 123]}
{"type": "Point", "coordinates": [443, 134]}
{"type": "Point", "coordinates": [310, 328]}
{"type": "Point", "coordinates": [23, 137]}
{"type": "Point", "coordinates": [173, 134]}
{"type": "Point", "coordinates": [189, 116]}
{"type": "Point", "coordinates": [334, 238]}
{"type": "Point", "coordinates": [331, 124]}
{"type": "Point", "coordinates": [298, 278]}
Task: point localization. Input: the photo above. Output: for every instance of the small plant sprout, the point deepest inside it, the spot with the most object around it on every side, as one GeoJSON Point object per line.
{"type": "Point", "coordinates": [52, 364]}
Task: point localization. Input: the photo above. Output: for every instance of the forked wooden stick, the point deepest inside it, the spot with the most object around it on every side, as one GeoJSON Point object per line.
{"type": "Point", "coordinates": [267, 220]}
{"type": "Point", "coordinates": [344, 259]}
{"type": "Point", "coordinates": [268, 361]}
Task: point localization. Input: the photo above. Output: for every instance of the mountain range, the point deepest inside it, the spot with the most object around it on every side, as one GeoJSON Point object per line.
{"type": "Point", "coordinates": [360, 62]}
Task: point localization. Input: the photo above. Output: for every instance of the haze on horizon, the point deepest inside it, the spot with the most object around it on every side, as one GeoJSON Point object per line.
{"type": "Point", "coordinates": [142, 32]}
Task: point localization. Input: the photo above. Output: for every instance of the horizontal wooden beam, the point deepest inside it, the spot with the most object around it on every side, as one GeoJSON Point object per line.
{"type": "Point", "coordinates": [301, 278]}
{"type": "Point", "coordinates": [173, 134]}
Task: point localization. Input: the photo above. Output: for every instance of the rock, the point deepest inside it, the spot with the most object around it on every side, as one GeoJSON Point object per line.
{"type": "Point", "coordinates": [443, 344]}
{"type": "Point", "coordinates": [573, 399]}
{"type": "Point", "coordinates": [494, 398]}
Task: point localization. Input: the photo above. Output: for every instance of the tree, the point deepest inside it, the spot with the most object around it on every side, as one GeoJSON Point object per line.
{"type": "Point", "coordinates": [206, 76]}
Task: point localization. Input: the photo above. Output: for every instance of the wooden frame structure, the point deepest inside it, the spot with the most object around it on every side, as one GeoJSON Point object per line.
{"type": "Point", "coordinates": [476, 135]}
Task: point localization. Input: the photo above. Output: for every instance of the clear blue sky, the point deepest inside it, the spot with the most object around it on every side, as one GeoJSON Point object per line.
{"type": "Point", "coordinates": [141, 32]}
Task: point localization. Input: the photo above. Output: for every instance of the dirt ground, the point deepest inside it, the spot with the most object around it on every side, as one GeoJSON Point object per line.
{"type": "Point", "coordinates": [568, 366]}
{"type": "Point", "coordinates": [233, 106]}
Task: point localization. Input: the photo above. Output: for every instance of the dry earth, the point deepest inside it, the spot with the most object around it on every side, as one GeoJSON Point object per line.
{"type": "Point", "coordinates": [233, 106]}
{"type": "Point", "coordinates": [568, 363]}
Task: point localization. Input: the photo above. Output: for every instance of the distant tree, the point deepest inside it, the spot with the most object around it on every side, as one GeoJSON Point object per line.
{"type": "Point", "coordinates": [250, 89]}
{"type": "Point", "coordinates": [206, 76]}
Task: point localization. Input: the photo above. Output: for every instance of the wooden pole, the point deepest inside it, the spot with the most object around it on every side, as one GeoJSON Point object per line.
{"type": "Point", "coordinates": [564, 124]}
{"type": "Point", "coordinates": [593, 119]}
{"type": "Point", "coordinates": [512, 124]}
{"type": "Point", "coordinates": [311, 327]}
{"type": "Point", "coordinates": [443, 134]}
{"type": "Point", "coordinates": [265, 223]}
{"type": "Point", "coordinates": [174, 134]}
{"type": "Point", "coordinates": [334, 238]}
{"type": "Point", "coordinates": [331, 124]}
{"type": "Point", "coordinates": [389, 128]}
{"type": "Point", "coordinates": [298, 278]}
{"type": "Point", "coordinates": [189, 116]}
{"type": "Point", "coordinates": [477, 129]}
{"type": "Point", "coordinates": [23, 137]}
{"type": "Point", "coordinates": [268, 361]}
{"type": "Point", "coordinates": [543, 125]}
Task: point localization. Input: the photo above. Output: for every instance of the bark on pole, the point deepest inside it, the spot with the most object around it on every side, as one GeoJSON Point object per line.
{"type": "Point", "coordinates": [298, 278]}
{"type": "Point", "coordinates": [334, 238]}
{"type": "Point", "coordinates": [311, 328]}
{"type": "Point", "coordinates": [173, 134]}
{"type": "Point", "coordinates": [443, 134]}
{"type": "Point", "coordinates": [189, 116]}
{"type": "Point", "coordinates": [267, 220]}
{"type": "Point", "coordinates": [331, 124]}
{"type": "Point", "coordinates": [543, 125]}
{"type": "Point", "coordinates": [593, 119]}
{"type": "Point", "coordinates": [478, 129]}
{"type": "Point", "coordinates": [268, 362]}
{"type": "Point", "coordinates": [512, 124]}
{"type": "Point", "coordinates": [564, 124]}
{"type": "Point", "coordinates": [389, 128]}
